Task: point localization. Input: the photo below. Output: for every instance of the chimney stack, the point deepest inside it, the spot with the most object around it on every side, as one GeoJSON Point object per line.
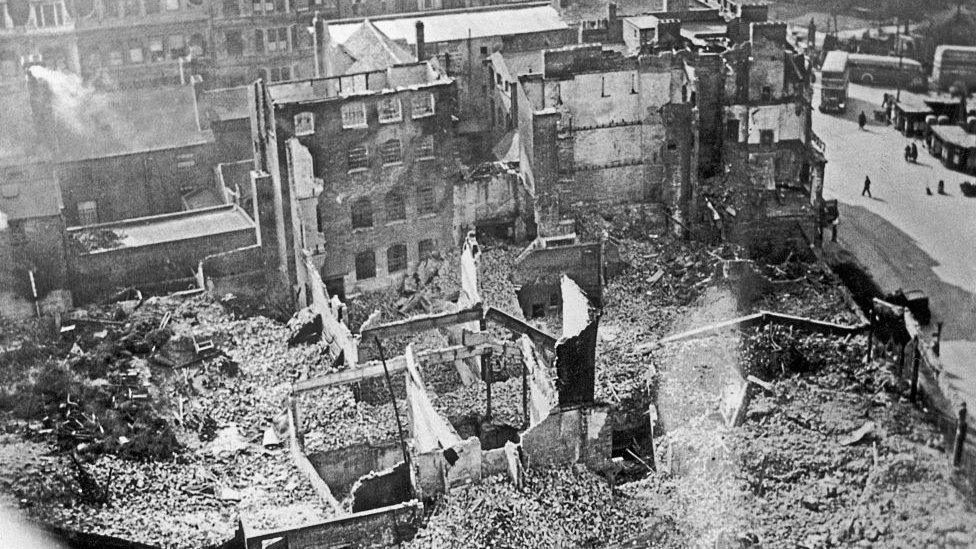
{"type": "Point", "coordinates": [420, 41]}
{"type": "Point", "coordinates": [611, 13]}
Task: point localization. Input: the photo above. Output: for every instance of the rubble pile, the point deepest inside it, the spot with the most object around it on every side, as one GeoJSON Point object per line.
{"type": "Point", "coordinates": [815, 293]}
{"type": "Point", "coordinates": [195, 390]}
{"type": "Point", "coordinates": [91, 240]}
{"type": "Point", "coordinates": [334, 418]}
{"type": "Point", "coordinates": [835, 457]}
{"type": "Point", "coordinates": [570, 507]}
{"type": "Point", "coordinates": [471, 401]}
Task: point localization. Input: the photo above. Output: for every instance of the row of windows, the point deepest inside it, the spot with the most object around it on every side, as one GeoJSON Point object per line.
{"type": "Point", "coordinates": [766, 137]}
{"type": "Point", "coordinates": [391, 152]}
{"type": "Point", "coordinates": [395, 204]}
{"type": "Point", "coordinates": [396, 259]}
{"type": "Point", "coordinates": [389, 110]}
{"type": "Point", "coordinates": [154, 49]}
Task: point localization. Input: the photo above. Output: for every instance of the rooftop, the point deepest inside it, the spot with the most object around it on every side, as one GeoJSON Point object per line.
{"type": "Point", "coordinates": [644, 21]}
{"type": "Point", "coordinates": [371, 49]}
{"type": "Point", "coordinates": [400, 77]}
{"type": "Point", "coordinates": [226, 103]}
{"type": "Point", "coordinates": [956, 136]}
{"type": "Point", "coordinates": [18, 140]}
{"type": "Point", "coordinates": [39, 197]}
{"type": "Point", "coordinates": [445, 27]}
{"type": "Point", "coordinates": [101, 124]}
{"type": "Point", "coordinates": [160, 229]}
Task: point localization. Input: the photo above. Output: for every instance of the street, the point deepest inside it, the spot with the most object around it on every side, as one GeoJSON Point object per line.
{"type": "Point", "coordinates": [906, 238]}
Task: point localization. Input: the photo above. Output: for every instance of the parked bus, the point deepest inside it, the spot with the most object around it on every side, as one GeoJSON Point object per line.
{"type": "Point", "coordinates": [954, 64]}
{"type": "Point", "coordinates": [886, 71]}
{"type": "Point", "coordinates": [833, 82]}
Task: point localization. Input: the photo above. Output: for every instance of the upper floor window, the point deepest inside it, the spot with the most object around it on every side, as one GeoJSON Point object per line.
{"type": "Point", "coordinates": [426, 202]}
{"type": "Point", "coordinates": [353, 115]}
{"type": "Point", "coordinates": [425, 248]}
{"type": "Point", "coordinates": [425, 146]}
{"type": "Point", "coordinates": [231, 7]}
{"type": "Point", "coordinates": [171, 5]}
{"type": "Point", "coordinates": [280, 74]}
{"type": "Point", "coordinates": [277, 39]}
{"type": "Point", "coordinates": [766, 94]}
{"type": "Point", "coordinates": [732, 130]}
{"type": "Point", "coordinates": [156, 51]}
{"type": "Point", "coordinates": [234, 43]}
{"type": "Point", "coordinates": [262, 5]}
{"type": "Point", "coordinates": [87, 213]}
{"type": "Point", "coordinates": [766, 137]}
{"type": "Point", "coordinates": [389, 108]}
{"type": "Point", "coordinates": [396, 258]}
{"type": "Point", "coordinates": [304, 123]}
{"type": "Point", "coordinates": [49, 15]}
{"type": "Point", "coordinates": [135, 52]}
{"type": "Point", "coordinates": [392, 152]}
{"type": "Point", "coordinates": [395, 206]}
{"type": "Point", "coordinates": [362, 213]}
{"type": "Point", "coordinates": [422, 105]}
{"type": "Point", "coordinates": [356, 158]}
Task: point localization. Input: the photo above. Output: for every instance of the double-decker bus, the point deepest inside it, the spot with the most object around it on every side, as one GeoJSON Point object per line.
{"type": "Point", "coordinates": [833, 82]}
{"type": "Point", "coordinates": [884, 70]}
{"type": "Point", "coordinates": [954, 64]}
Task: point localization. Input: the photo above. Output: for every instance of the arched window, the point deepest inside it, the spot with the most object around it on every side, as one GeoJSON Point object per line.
{"type": "Point", "coordinates": [395, 205]}
{"type": "Point", "coordinates": [426, 201]}
{"type": "Point", "coordinates": [362, 213]}
{"type": "Point", "coordinates": [396, 258]}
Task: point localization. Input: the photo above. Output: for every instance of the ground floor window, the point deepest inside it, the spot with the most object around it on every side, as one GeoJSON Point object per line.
{"type": "Point", "coordinates": [365, 265]}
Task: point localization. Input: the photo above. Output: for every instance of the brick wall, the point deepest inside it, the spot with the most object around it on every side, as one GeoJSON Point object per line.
{"type": "Point", "coordinates": [335, 246]}
{"type": "Point", "coordinates": [135, 185]}
{"type": "Point", "coordinates": [94, 274]}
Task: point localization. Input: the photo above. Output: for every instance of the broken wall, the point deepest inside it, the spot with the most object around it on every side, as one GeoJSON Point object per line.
{"type": "Point", "coordinates": [382, 489]}
{"type": "Point", "coordinates": [576, 349]}
{"type": "Point", "coordinates": [492, 196]}
{"type": "Point", "coordinates": [342, 467]}
{"type": "Point", "coordinates": [566, 436]}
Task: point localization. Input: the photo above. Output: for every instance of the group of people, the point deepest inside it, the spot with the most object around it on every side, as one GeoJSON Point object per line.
{"type": "Point", "coordinates": [911, 152]}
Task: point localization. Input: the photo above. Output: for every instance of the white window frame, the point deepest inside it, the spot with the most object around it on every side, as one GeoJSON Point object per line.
{"type": "Point", "coordinates": [87, 212]}
{"type": "Point", "coordinates": [304, 123]}
{"type": "Point", "coordinates": [423, 152]}
{"type": "Point", "coordinates": [171, 5]}
{"type": "Point", "coordinates": [347, 110]}
{"type": "Point", "coordinates": [387, 118]}
{"type": "Point", "coordinates": [429, 100]}
{"type": "Point", "coordinates": [388, 156]}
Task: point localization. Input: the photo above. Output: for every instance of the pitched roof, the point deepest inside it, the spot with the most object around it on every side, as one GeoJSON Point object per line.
{"type": "Point", "coordinates": [373, 50]}
{"type": "Point", "coordinates": [461, 25]}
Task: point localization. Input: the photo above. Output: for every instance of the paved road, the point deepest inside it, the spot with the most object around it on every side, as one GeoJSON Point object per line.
{"type": "Point", "coordinates": [906, 238]}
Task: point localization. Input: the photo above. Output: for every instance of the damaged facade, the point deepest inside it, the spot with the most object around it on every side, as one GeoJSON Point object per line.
{"type": "Point", "coordinates": [367, 162]}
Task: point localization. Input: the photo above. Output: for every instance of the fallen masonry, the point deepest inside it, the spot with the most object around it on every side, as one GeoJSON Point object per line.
{"type": "Point", "coordinates": [704, 393]}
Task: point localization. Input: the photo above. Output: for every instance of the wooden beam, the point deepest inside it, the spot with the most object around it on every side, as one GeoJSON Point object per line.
{"type": "Point", "coordinates": [517, 326]}
{"type": "Point", "coordinates": [423, 323]}
{"type": "Point", "coordinates": [368, 370]}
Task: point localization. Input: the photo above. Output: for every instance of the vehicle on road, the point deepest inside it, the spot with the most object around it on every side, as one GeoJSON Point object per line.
{"type": "Point", "coordinates": [887, 71]}
{"type": "Point", "coordinates": [954, 64]}
{"type": "Point", "coordinates": [833, 82]}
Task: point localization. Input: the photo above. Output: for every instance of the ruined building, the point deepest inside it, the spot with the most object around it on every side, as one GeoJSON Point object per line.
{"type": "Point", "coordinates": [769, 194]}
{"type": "Point", "coordinates": [365, 165]}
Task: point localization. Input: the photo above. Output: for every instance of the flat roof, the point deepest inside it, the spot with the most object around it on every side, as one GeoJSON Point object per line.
{"type": "Point", "coordinates": [160, 229]}
{"type": "Point", "coordinates": [462, 25]}
{"type": "Point", "coordinates": [643, 21]}
{"type": "Point", "coordinates": [704, 28]}
{"type": "Point", "coordinates": [955, 136]}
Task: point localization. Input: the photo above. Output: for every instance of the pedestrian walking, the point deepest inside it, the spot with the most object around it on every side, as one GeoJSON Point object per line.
{"type": "Point", "coordinates": [941, 187]}
{"type": "Point", "coordinates": [862, 119]}
{"type": "Point", "coordinates": [914, 152]}
{"type": "Point", "coordinates": [867, 187]}
{"type": "Point", "coordinates": [908, 153]}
